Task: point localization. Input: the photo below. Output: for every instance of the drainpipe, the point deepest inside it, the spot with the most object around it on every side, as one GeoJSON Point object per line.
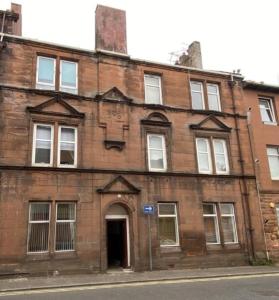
{"type": "Point", "coordinates": [255, 167]}
{"type": "Point", "coordinates": [245, 196]}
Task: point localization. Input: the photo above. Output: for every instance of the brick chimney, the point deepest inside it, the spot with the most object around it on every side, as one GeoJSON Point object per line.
{"type": "Point", "coordinates": [11, 20]}
{"type": "Point", "coordinates": [193, 58]}
{"type": "Point", "coordinates": [110, 29]}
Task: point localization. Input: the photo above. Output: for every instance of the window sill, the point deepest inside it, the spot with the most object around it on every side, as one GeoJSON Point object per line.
{"type": "Point", "coordinates": [170, 248]}
{"type": "Point", "coordinates": [224, 247]}
{"type": "Point", "coordinates": [270, 123]}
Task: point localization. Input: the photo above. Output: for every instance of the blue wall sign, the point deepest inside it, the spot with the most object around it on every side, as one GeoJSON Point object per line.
{"type": "Point", "coordinates": [148, 209]}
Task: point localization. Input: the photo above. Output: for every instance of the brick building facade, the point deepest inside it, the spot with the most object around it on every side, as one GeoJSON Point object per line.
{"type": "Point", "coordinates": [262, 102]}
{"type": "Point", "coordinates": [89, 137]}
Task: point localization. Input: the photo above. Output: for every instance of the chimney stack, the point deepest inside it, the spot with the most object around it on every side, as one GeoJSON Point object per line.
{"type": "Point", "coordinates": [11, 20]}
{"type": "Point", "coordinates": [110, 29]}
{"type": "Point", "coordinates": [193, 58]}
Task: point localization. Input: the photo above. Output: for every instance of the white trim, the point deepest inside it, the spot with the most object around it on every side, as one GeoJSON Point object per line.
{"type": "Point", "coordinates": [44, 85]}
{"type": "Point", "coordinates": [163, 152]}
{"type": "Point", "coordinates": [215, 94]}
{"type": "Point", "coordinates": [159, 86]}
{"type": "Point", "coordinates": [58, 148]}
{"type": "Point", "coordinates": [197, 91]}
{"type": "Point", "coordinates": [170, 216]}
{"type": "Point", "coordinates": [215, 216]}
{"type": "Point", "coordinates": [126, 218]}
{"type": "Point", "coordinates": [67, 88]}
{"type": "Point", "coordinates": [272, 155]}
{"type": "Point", "coordinates": [234, 222]}
{"type": "Point", "coordinates": [225, 153]}
{"type": "Point", "coordinates": [64, 221]}
{"type": "Point", "coordinates": [34, 145]}
{"type": "Point", "coordinates": [271, 108]}
{"type": "Point", "coordinates": [37, 222]}
{"type": "Point", "coordinates": [210, 171]}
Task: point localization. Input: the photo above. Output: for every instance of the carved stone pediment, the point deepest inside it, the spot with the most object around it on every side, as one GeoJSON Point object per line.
{"type": "Point", "coordinates": [114, 94]}
{"type": "Point", "coordinates": [119, 185]}
{"type": "Point", "coordinates": [56, 107]}
{"type": "Point", "coordinates": [211, 123]}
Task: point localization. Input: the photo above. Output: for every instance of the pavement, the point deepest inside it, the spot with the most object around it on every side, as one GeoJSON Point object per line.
{"type": "Point", "coordinates": [22, 283]}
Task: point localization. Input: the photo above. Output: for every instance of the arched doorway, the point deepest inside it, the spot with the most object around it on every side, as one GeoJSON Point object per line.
{"type": "Point", "coordinates": [118, 237]}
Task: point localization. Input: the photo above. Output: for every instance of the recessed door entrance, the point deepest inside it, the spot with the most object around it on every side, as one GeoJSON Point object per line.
{"type": "Point", "coordinates": [117, 243]}
{"type": "Point", "coordinates": [118, 237]}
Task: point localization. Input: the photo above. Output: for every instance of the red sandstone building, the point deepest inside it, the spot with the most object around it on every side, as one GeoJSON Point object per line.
{"type": "Point", "coordinates": [89, 137]}
{"type": "Point", "coordinates": [262, 102]}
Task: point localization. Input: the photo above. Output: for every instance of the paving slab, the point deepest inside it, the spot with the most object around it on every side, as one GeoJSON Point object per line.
{"type": "Point", "coordinates": [118, 277]}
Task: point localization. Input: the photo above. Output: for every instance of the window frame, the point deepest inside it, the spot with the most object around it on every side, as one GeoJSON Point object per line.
{"type": "Point", "coordinates": [59, 147]}
{"type": "Point", "coordinates": [225, 156]}
{"type": "Point", "coordinates": [233, 225]}
{"type": "Point", "coordinates": [65, 221]}
{"type": "Point", "coordinates": [159, 86]}
{"type": "Point", "coordinates": [216, 222]}
{"type": "Point", "coordinates": [217, 94]}
{"type": "Point", "coordinates": [219, 223]}
{"type": "Point", "coordinates": [209, 156]}
{"type": "Point", "coordinates": [65, 88]}
{"type": "Point", "coordinates": [169, 216]}
{"type": "Point", "coordinates": [50, 164]}
{"type": "Point", "coordinates": [165, 166]}
{"type": "Point", "coordinates": [201, 92]}
{"type": "Point", "coordinates": [277, 212]}
{"type": "Point", "coordinates": [39, 83]}
{"type": "Point", "coordinates": [271, 108]}
{"type": "Point", "coordinates": [273, 147]}
{"type": "Point", "coordinates": [38, 222]}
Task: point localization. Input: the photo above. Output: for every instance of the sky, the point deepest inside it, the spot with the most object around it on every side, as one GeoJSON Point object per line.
{"type": "Point", "coordinates": [238, 34]}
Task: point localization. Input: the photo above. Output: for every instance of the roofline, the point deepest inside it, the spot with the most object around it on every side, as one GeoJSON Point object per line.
{"type": "Point", "coordinates": [253, 85]}
{"type": "Point", "coordinates": [16, 38]}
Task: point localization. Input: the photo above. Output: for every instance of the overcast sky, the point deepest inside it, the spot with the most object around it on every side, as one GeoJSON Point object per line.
{"type": "Point", "coordinates": [238, 34]}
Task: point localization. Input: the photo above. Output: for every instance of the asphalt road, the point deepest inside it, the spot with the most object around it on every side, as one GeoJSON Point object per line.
{"type": "Point", "coordinates": [266, 287]}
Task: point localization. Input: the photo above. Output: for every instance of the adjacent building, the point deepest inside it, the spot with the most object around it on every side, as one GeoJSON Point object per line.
{"type": "Point", "coordinates": [90, 137]}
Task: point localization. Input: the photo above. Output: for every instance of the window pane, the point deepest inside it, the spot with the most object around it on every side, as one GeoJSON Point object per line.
{"type": "Point", "coordinates": [210, 230]}
{"type": "Point", "coordinates": [226, 209]}
{"type": "Point", "coordinates": [68, 73]}
{"type": "Point", "coordinates": [272, 151]}
{"type": "Point", "coordinates": [65, 227]}
{"type": "Point", "coordinates": [66, 211]}
{"type": "Point", "coordinates": [219, 146]}
{"type": "Point", "coordinates": [67, 134]}
{"type": "Point", "coordinates": [277, 211]}
{"type": "Point", "coordinates": [42, 153]}
{"type": "Point", "coordinates": [220, 163]}
{"type": "Point", "coordinates": [166, 209]}
{"type": "Point", "coordinates": [152, 94]}
{"type": "Point", "coordinates": [152, 80]}
{"type": "Point", "coordinates": [213, 102]}
{"type": "Point", "coordinates": [197, 100]}
{"type": "Point", "coordinates": [167, 231]}
{"type": "Point", "coordinates": [202, 145]}
{"type": "Point", "coordinates": [39, 212]}
{"type": "Point", "coordinates": [43, 132]}
{"type": "Point", "coordinates": [38, 227]}
{"type": "Point", "coordinates": [155, 142]}
{"type": "Point", "coordinates": [212, 88]}
{"type": "Point", "coordinates": [208, 209]}
{"type": "Point", "coordinates": [228, 230]}
{"type": "Point", "coordinates": [203, 162]}
{"type": "Point", "coordinates": [266, 110]}
{"type": "Point", "coordinates": [156, 159]}
{"type": "Point", "coordinates": [274, 166]}
{"type": "Point", "coordinates": [46, 70]}
{"type": "Point", "coordinates": [196, 86]}
{"type": "Point", "coordinates": [38, 237]}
